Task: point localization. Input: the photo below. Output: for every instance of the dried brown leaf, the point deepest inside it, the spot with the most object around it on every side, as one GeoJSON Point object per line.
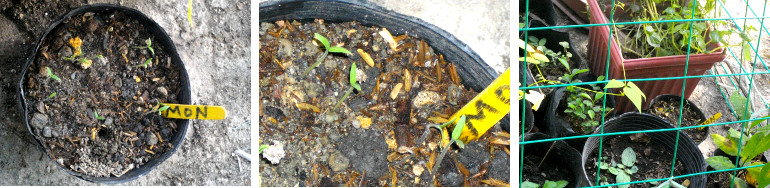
{"type": "Point", "coordinates": [368, 59]}
{"type": "Point", "coordinates": [396, 90]}
{"type": "Point", "coordinates": [306, 106]}
{"type": "Point", "coordinates": [407, 81]}
{"type": "Point", "coordinates": [496, 183]}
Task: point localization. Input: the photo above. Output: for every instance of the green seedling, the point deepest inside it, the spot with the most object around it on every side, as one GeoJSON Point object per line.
{"type": "Point", "coordinates": [159, 107]}
{"type": "Point", "coordinates": [148, 47]}
{"type": "Point", "coordinates": [353, 83]}
{"type": "Point", "coordinates": [50, 74]}
{"type": "Point", "coordinates": [455, 138]}
{"type": "Point", "coordinates": [96, 115]}
{"type": "Point", "coordinates": [327, 49]}
{"type": "Point", "coordinates": [263, 147]}
{"type": "Point", "coordinates": [623, 170]}
{"type": "Point", "coordinates": [52, 95]}
{"type": "Point", "coordinates": [547, 184]}
{"type": "Point", "coordinates": [746, 147]}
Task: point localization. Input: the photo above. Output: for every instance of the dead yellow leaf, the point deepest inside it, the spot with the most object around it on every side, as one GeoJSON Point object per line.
{"type": "Point", "coordinates": [407, 81]}
{"type": "Point", "coordinates": [496, 183]}
{"type": "Point", "coordinates": [306, 106]}
{"type": "Point", "coordinates": [365, 121]}
{"type": "Point", "coordinates": [368, 59]}
{"type": "Point", "coordinates": [76, 42]}
{"type": "Point", "coordinates": [396, 89]}
{"type": "Point", "coordinates": [389, 39]}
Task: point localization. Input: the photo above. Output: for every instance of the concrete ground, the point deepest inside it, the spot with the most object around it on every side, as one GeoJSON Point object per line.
{"type": "Point", "coordinates": [216, 55]}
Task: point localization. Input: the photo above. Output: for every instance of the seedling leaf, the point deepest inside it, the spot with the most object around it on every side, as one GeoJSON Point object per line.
{"type": "Point", "coordinates": [757, 144]}
{"type": "Point", "coordinates": [738, 102]}
{"type": "Point", "coordinates": [555, 184]}
{"type": "Point", "coordinates": [353, 77]}
{"type": "Point", "coordinates": [339, 50]}
{"type": "Point", "coordinates": [739, 182]}
{"type": "Point", "coordinates": [528, 184]}
{"type": "Point", "coordinates": [263, 147]}
{"type": "Point", "coordinates": [629, 157]}
{"type": "Point", "coordinates": [614, 84]}
{"type": "Point", "coordinates": [764, 179]}
{"type": "Point", "coordinates": [323, 40]}
{"type": "Point", "coordinates": [720, 162]}
{"type": "Point", "coordinates": [623, 178]}
{"type": "Point", "coordinates": [52, 95]}
{"type": "Point", "coordinates": [50, 74]}
{"type": "Point", "coordinates": [458, 128]}
{"type": "Point", "coordinates": [460, 143]}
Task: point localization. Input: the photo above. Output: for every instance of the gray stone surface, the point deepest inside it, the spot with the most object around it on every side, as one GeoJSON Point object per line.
{"type": "Point", "coordinates": [216, 54]}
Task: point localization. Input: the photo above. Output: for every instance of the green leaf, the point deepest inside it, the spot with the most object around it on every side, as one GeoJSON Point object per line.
{"type": "Point", "coordinates": [323, 40]}
{"type": "Point", "coordinates": [591, 114]}
{"type": "Point", "coordinates": [623, 178]}
{"type": "Point", "coordinates": [542, 42]}
{"type": "Point", "coordinates": [564, 62]}
{"type": "Point", "coordinates": [555, 184]}
{"type": "Point", "coordinates": [755, 172]}
{"type": "Point", "coordinates": [335, 49]}
{"type": "Point", "coordinates": [720, 162]}
{"type": "Point", "coordinates": [458, 128]}
{"type": "Point", "coordinates": [633, 170]}
{"type": "Point", "coordinates": [576, 71]}
{"type": "Point", "coordinates": [564, 44]}
{"type": "Point", "coordinates": [540, 57]}
{"type": "Point", "coordinates": [460, 143]}
{"type": "Point", "coordinates": [757, 144]}
{"type": "Point", "coordinates": [629, 156]}
{"type": "Point", "coordinates": [739, 183]}
{"type": "Point", "coordinates": [739, 102]}
{"type": "Point", "coordinates": [528, 184]}
{"type": "Point", "coordinates": [146, 63]}
{"type": "Point", "coordinates": [149, 46]}
{"type": "Point", "coordinates": [353, 74]}
{"type": "Point", "coordinates": [757, 122]}
{"type": "Point", "coordinates": [50, 74]}
{"type": "Point", "coordinates": [585, 95]}
{"type": "Point", "coordinates": [263, 147]}
{"type": "Point", "coordinates": [764, 178]}
{"type": "Point", "coordinates": [604, 166]}
{"type": "Point", "coordinates": [634, 94]}
{"type": "Point", "coordinates": [614, 171]}
{"type": "Point", "coordinates": [614, 84]}
{"type": "Point", "coordinates": [163, 108]}
{"type": "Point", "coordinates": [746, 51]}
{"type": "Point", "coordinates": [533, 39]}
{"type": "Point", "coordinates": [726, 145]}
{"type": "Point", "coordinates": [52, 95]}
{"type": "Point", "coordinates": [530, 60]}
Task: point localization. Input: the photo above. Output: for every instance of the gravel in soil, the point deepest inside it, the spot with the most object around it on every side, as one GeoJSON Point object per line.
{"type": "Point", "coordinates": [89, 94]}
{"type": "Point", "coordinates": [669, 110]}
{"type": "Point", "coordinates": [372, 138]}
{"type": "Point", "coordinates": [653, 161]}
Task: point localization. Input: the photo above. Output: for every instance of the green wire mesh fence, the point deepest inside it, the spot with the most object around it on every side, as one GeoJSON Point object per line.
{"type": "Point", "coordinates": [731, 76]}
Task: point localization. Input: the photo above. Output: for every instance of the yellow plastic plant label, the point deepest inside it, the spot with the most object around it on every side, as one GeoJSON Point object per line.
{"type": "Point", "coordinates": [180, 111]}
{"type": "Point", "coordinates": [711, 120]}
{"type": "Point", "coordinates": [486, 109]}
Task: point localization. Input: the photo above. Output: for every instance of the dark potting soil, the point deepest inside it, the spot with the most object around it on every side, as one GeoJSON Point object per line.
{"type": "Point", "coordinates": [669, 110]}
{"type": "Point", "coordinates": [721, 179]}
{"type": "Point", "coordinates": [356, 143]}
{"type": "Point", "coordinates": [653, 161]}
{"type": "Point", "coordinates": [548, 170]}
{"type": "Point", "coordinates": [115, 85]}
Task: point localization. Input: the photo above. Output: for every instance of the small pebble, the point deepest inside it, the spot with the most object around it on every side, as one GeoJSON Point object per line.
{"type": "Point", "coordinates": [65, 51]}
{"type": "Point", "coordinates": [151, 139]}
{"type": "Point", "coordinates": [108, 121]}
{"type": "Point", "coordinates": [47, 132]}
{"type": "Point", "coordinates": [162, 90]}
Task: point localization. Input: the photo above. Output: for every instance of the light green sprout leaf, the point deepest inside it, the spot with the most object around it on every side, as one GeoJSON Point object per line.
{"type": "Point", "coordinates": [149, 46]}
{"type": "Point", "coordinates": [52, 95]}
{"type": "Point", "coordinates": [555, 184]}
{"type": "Point", "coordinates": [528, 184]}
{"type": "Point", "coordinates": [323, 40]}
{"type": "Point", "coordinates": [739, 102]}
{"type": "Point", "coordinates": [353, 77]}
{"type": "Point", "coordinates": [96, 115]}
{"type": "Point", "coordinates": [623, 178]}
{"type": "Point", "coordinates": [50, 74]}
{"type": "Point", "coordinates": [764, 178]}
{"type": "Point", "coordinates": [629, 157]}
{"type": "Point", "coordinates": [263, 147]}
{"type": "Point", "coordinates": [757, 144]}
{"type": "Point", "coordinates": [614, 84]}
{"type": "Point", "coordinates": [458, 128]}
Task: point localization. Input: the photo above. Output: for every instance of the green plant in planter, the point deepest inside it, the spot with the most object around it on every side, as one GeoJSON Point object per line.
{"type": "Point", "coordinates": [327, 49]}
{"type": "Point", "coordinates": [623, 170]}
{"type": "Point", "coordinates": [455, 138]}
{"type": "Point", "coordinates": [562, 57]}
{"type": "Point", "coordinates": [583, 106]}
{"type": "Point", "coordinates": [672, 38]}
{"type": "Point", "coordinates": [353, 84]}
{"type": "Point", "coordinates": [50, 74]}
{"type": "Point", "coordinates": [547, 184]}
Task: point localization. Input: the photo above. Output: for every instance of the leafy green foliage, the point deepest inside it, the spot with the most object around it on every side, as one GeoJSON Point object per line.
{"type": "Point", "coordinates": [622, 171]}
{"type": "Point", "coordinates": [353, 84]}
{"type": "Point", "coordinates": [327, 49]}
{"type": "Point", "coordinates": [52, 95]}
{"type": "Point", "coordinates": [457, 130]}
{"type": "Point", "coordinates": [537, 53]}
{"type": "Point", "coordinates": [758, 142]}
{"type": "Point", "coordinates": [547, 184]}
{"type": "Point", "coordinates": [583, 106]}
{"type": "Point", "coordinates": [263, 147]}
{"type": "Point", "coordinates": [720, 162]}
{"type": "Point", "coordinates": [739, 103]}
{"type": "Point", "coordinates": [630, 90]}
{"type": "Point", "coordinates": [149, 46]}
{"type": "Point", "coordinates": [50, 74]}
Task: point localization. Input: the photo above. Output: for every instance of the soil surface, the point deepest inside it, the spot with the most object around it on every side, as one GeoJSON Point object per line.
{"type": "Point", "coordinates": [547, 171]}
{"type": "Point", "coordinates": [216, 55]}
{"type": "Point", "coordinates": [356, 143]}
{"type": "Point", "coordinates": [669, 110]}
{"type": "Point", "coordinates": [653, 161]}
{"type": "Point", "coordinates": [103, 73]}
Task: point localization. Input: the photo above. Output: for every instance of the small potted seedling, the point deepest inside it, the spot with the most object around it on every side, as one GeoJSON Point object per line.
{"type": "Point", "coordinates": [327, 49]}
{"type": "Point", "coordinates": [454, 139]}
{"type": "Point", "coordinates": [353, 84]}
{"type": "Point", "coordinates": [623, 170]}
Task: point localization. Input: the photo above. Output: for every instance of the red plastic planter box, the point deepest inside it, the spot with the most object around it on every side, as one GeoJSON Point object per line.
{"type": "Point", "coordinates": [654, 67]}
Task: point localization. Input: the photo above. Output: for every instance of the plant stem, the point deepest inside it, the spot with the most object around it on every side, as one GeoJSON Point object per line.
{"type": "Point", "coordinates": [440, 157]}
{"type": "Point", "coordinates": [343, 98]}
{"type": "Point", "coordinates": [546, 154]}
{"type": "Point", "coordinates": [326, 52]}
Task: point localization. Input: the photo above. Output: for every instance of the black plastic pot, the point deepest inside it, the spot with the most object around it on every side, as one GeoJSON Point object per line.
{"type": "Point", "coordinates": [557, 126]}
{"type": "Point", "coordinates": [561, 154]}
{"type": "Point", "coordinates": [688, 153]}
{"type": "Point", "coordinates": [553, 38]}
{"type": "Point", "coordinates": [527, 109]}
{"type": "Point", "coordinates": [688, 104]}
{"type": "Point", "coordinates": [474, 72]}
{"type": "Point", "coordinates": [543, 9]}
{"type": "Point", "coordinates": [161, 39]}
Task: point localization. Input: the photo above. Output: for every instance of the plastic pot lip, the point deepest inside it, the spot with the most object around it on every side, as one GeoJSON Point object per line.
{"type": "Point", "coordinates": [689, 147]}
{"type": "Point", "coordinates": [162, 38]}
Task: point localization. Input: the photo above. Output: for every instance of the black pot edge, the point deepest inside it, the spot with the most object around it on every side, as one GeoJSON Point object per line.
{"type": "Point", "coordinates": [184, 96]}
{"type": "Point", "coordinates": [579, 181]}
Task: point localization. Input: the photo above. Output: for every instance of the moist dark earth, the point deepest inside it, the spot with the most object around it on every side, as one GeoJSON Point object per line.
{"type": "Point", "coordinates": [669, 110]}
{"type": "Point", "coordinates": [215, 52]}
{"type": "Point", "coordinates": [653, 161]}
{"type": "Point", "coordinates": [548, 170]}
{"type": "Point", "coordinates": [357, 143]}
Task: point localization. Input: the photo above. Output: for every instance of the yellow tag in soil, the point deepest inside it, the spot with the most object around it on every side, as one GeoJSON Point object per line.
{"type": "Point", "coordinates": [486, 109]}
{"type": "Point", "coordinates": [180, 111]}
{"type": "Point", "coordinates": [711, 120]}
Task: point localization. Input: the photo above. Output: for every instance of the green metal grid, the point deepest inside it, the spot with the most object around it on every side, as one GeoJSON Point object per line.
{"type": "Point", "coordinates": [713, 73]}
